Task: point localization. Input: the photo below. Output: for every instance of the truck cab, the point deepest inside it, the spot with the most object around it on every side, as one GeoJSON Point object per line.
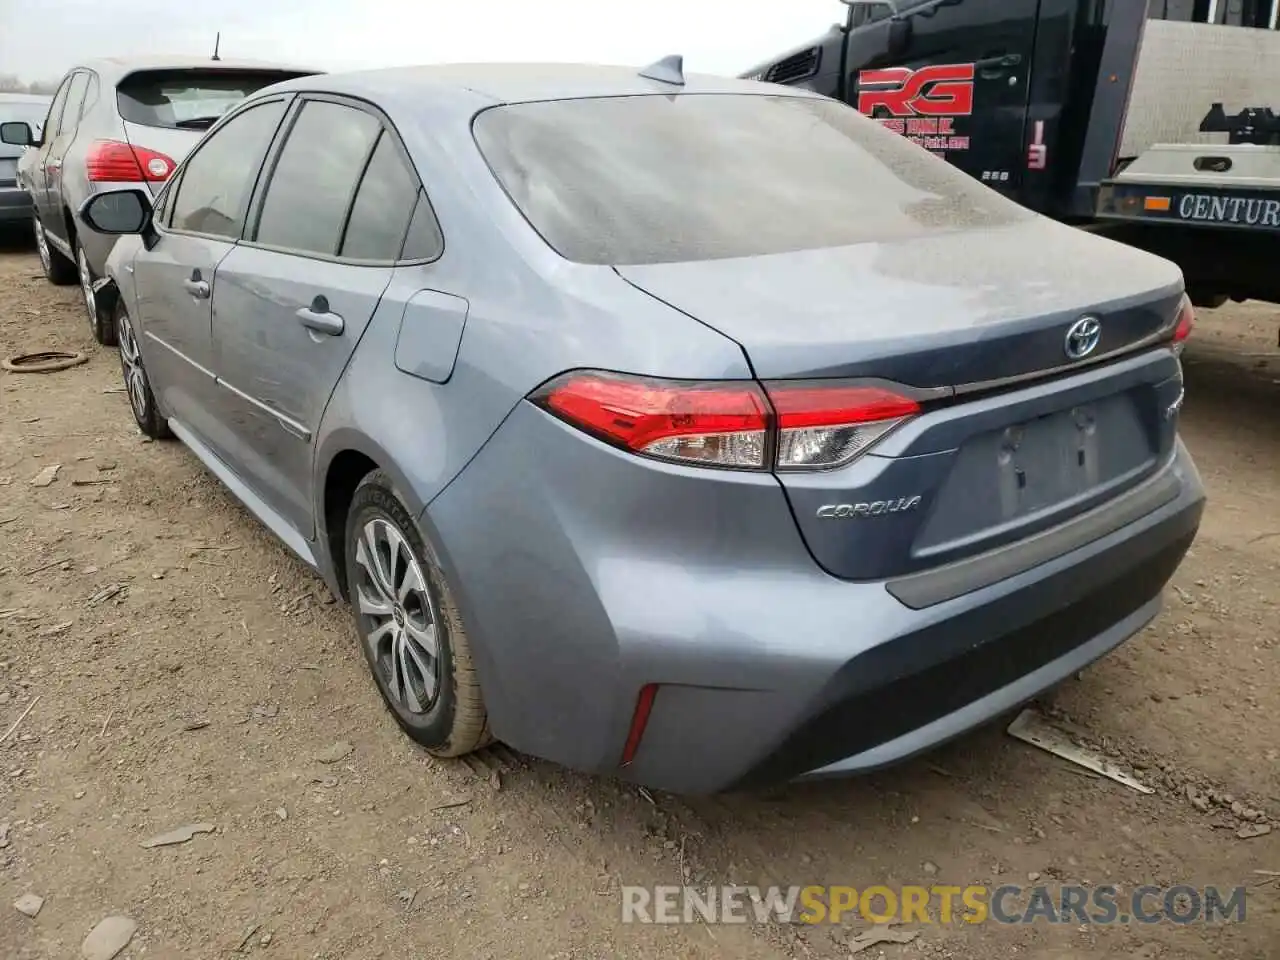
{"type": "Point", "coordinates": [1027, 96]}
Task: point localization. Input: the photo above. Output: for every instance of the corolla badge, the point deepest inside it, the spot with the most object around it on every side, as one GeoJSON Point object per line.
{"type": "Point", "coordinates": [880, 508]}
{"type": "Point", "coordinates": [1083, 337]}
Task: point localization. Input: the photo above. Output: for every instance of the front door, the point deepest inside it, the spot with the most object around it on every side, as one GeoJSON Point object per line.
{"type": "Point", "coordinates": [39, 172]}
{"type": "Point", "coordinates": [59, 139]}
{"type": "Point", "coordinates": [960, 88]}
{"type": "Point", "coordinates": [292, 302]}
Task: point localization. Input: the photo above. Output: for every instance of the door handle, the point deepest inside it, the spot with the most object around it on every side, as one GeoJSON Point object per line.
{"type": "Point", "coordinates": [197, 288]}
{"type": "Point", "coordinates": [1002, 60]}
{"type": "Point", "coordinates": [993, 68]}
{"type": "Point", "coordinates": [321, 321]}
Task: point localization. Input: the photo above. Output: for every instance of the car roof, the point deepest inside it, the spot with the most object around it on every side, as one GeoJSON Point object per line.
{"type": "Point", "coordinates": [493, 83]}
{"type": "Point", "coordinates": [115, 67]}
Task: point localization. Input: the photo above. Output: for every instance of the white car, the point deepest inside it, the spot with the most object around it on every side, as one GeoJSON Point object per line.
{"type": "Point", "coordinates": [15, 203]}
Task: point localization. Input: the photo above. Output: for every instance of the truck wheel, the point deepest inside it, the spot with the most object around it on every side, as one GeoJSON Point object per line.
{"type": "Point", "coordinates": [57, 268]}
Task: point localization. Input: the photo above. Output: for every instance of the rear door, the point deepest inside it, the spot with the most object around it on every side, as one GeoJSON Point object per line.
{"type": "Point", "coordinates": [961, 89]}
{"type": "Point", "coordinates": [200, 221]}
{"type": "Point", "coordinates": [294, 299]}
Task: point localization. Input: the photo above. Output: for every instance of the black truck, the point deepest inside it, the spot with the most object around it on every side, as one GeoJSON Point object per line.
{"type": "Point", "coordinates": [1028, 96]}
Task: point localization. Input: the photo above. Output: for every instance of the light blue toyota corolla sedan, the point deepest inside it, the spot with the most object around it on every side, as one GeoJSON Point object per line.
{"type": "Point", "coordinates": [696, 431]}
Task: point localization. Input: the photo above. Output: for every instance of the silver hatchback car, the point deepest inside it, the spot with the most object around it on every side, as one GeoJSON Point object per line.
{"type": "Point", "coordinates": [692, 430]}
{"type": "Point", "coordinates": [115, 122]}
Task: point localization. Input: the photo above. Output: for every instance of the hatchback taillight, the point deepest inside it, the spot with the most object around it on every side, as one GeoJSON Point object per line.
{"type": "Point", "coordinates": [1185, 324]}
{"type": "Point", "coordinates": [110, 161]}
{"type": "Point", "coordinates": [787, 425]}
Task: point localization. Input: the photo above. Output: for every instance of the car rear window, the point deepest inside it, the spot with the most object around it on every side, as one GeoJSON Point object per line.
{"type": "Point", "coordinates": [654, 179]}
{"type": "Point", "coordinates": [189, 99]}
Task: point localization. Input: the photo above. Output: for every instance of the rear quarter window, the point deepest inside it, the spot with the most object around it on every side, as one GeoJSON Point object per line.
{"type": "Point", "coordinates": [189, 99]}
{"type": "Point", "coordinates": [655, 179]}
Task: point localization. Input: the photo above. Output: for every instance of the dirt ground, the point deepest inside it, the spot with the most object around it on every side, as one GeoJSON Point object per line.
{"type": "Point", "coordinates": [185, 669]}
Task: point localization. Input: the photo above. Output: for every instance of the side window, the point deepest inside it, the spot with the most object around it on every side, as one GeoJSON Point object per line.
{"type": "Point", "coordinates": [871, 13]}
{"type": "Point", "coordinates": [383, 207]}
{"type": "Point", "coordinates": [218, 178]}
{"type": "Point", "coordinates": [75, 100]}
{"type": "Point", "coordinates": [55, 109]}
{"type": "Point", "coordinates": [424, 240]}
{"type": "Point", "coordinates": [311, 187]}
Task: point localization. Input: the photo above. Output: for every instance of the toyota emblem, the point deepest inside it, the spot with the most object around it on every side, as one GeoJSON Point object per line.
{"type": "Point", "coordinates": [1083, 337]}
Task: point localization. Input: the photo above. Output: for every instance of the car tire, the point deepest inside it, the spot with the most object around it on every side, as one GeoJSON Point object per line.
{"type": "Point", "coordinates": [101, 321]}
{"type": "Point", "coordinates": [58, 270]}
{"type": "Point", "coordinates": [137, 386]}
{"type": "Point", "coordinates": [436, 699]}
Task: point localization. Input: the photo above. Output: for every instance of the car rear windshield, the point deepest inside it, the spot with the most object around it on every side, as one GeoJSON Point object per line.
{"type": "Point", "coordinates": [655, 179]}
{"type": "Point", "coordinates": [189, 99]}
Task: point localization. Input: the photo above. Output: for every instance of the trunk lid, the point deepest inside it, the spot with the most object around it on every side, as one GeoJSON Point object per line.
{"type": "Point", "coordinates": [942, 310]}
{"type": "Point", "coordinates": [1014, 437]}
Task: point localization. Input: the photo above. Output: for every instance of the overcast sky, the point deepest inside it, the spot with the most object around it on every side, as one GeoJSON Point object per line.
{"type": "Point", "coordinates": [716, 36]}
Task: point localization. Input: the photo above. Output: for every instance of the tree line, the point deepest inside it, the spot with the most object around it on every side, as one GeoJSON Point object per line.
{"type": "Point", "coordinates": [11, 84]}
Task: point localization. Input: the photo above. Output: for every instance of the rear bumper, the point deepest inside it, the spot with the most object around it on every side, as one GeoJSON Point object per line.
{"type": "Point", "coordinates": [15, 204]}
{"type": "Point", "coordinates": [581, 579]}
{"type": "Point", "coordinates": [918, 691]}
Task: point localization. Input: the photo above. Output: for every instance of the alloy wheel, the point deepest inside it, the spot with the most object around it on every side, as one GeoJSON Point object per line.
{"type": "Point", "coordinates": [86, 284]}
{"type": "Point", "coordinates": [398, 617]}
{"type": "Point", "coordinates": [135, 379]}
{"type": "Point", "coordinates": [42, 247]}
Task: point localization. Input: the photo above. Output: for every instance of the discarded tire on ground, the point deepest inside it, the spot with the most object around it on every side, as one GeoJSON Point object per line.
{"type": "Point", "coordinates": [46, 361]}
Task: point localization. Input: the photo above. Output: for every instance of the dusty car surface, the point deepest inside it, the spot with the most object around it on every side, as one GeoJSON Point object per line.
{"type": "Point", "coordinates": [691, 430]}
{"type": "Point", "coordinates": [119, 121]}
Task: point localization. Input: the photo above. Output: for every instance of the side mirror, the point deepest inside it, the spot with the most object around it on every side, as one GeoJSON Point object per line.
{"type": "Point", "coordinates": [17, 134]}
{"type": "Point", "coordinates": [900, 32]}
{"type": "Point", "coordinates": [117, 212]}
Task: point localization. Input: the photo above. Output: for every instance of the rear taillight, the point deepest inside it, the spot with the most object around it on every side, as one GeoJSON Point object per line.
{"type": "Point", "coordinates": [787, 425]}
{"type": "Point", "coordinates": [820, 427]}
{"type": "Point", "coordinates": [1185, 324]}
{"type": "Point", "coordinates": [110, 161]}
{"type": "Point", "coordinates": [720, 424]}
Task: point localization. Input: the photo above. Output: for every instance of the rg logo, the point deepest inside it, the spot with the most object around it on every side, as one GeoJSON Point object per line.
{"type": "Point", "coordinates": [945, 90]}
